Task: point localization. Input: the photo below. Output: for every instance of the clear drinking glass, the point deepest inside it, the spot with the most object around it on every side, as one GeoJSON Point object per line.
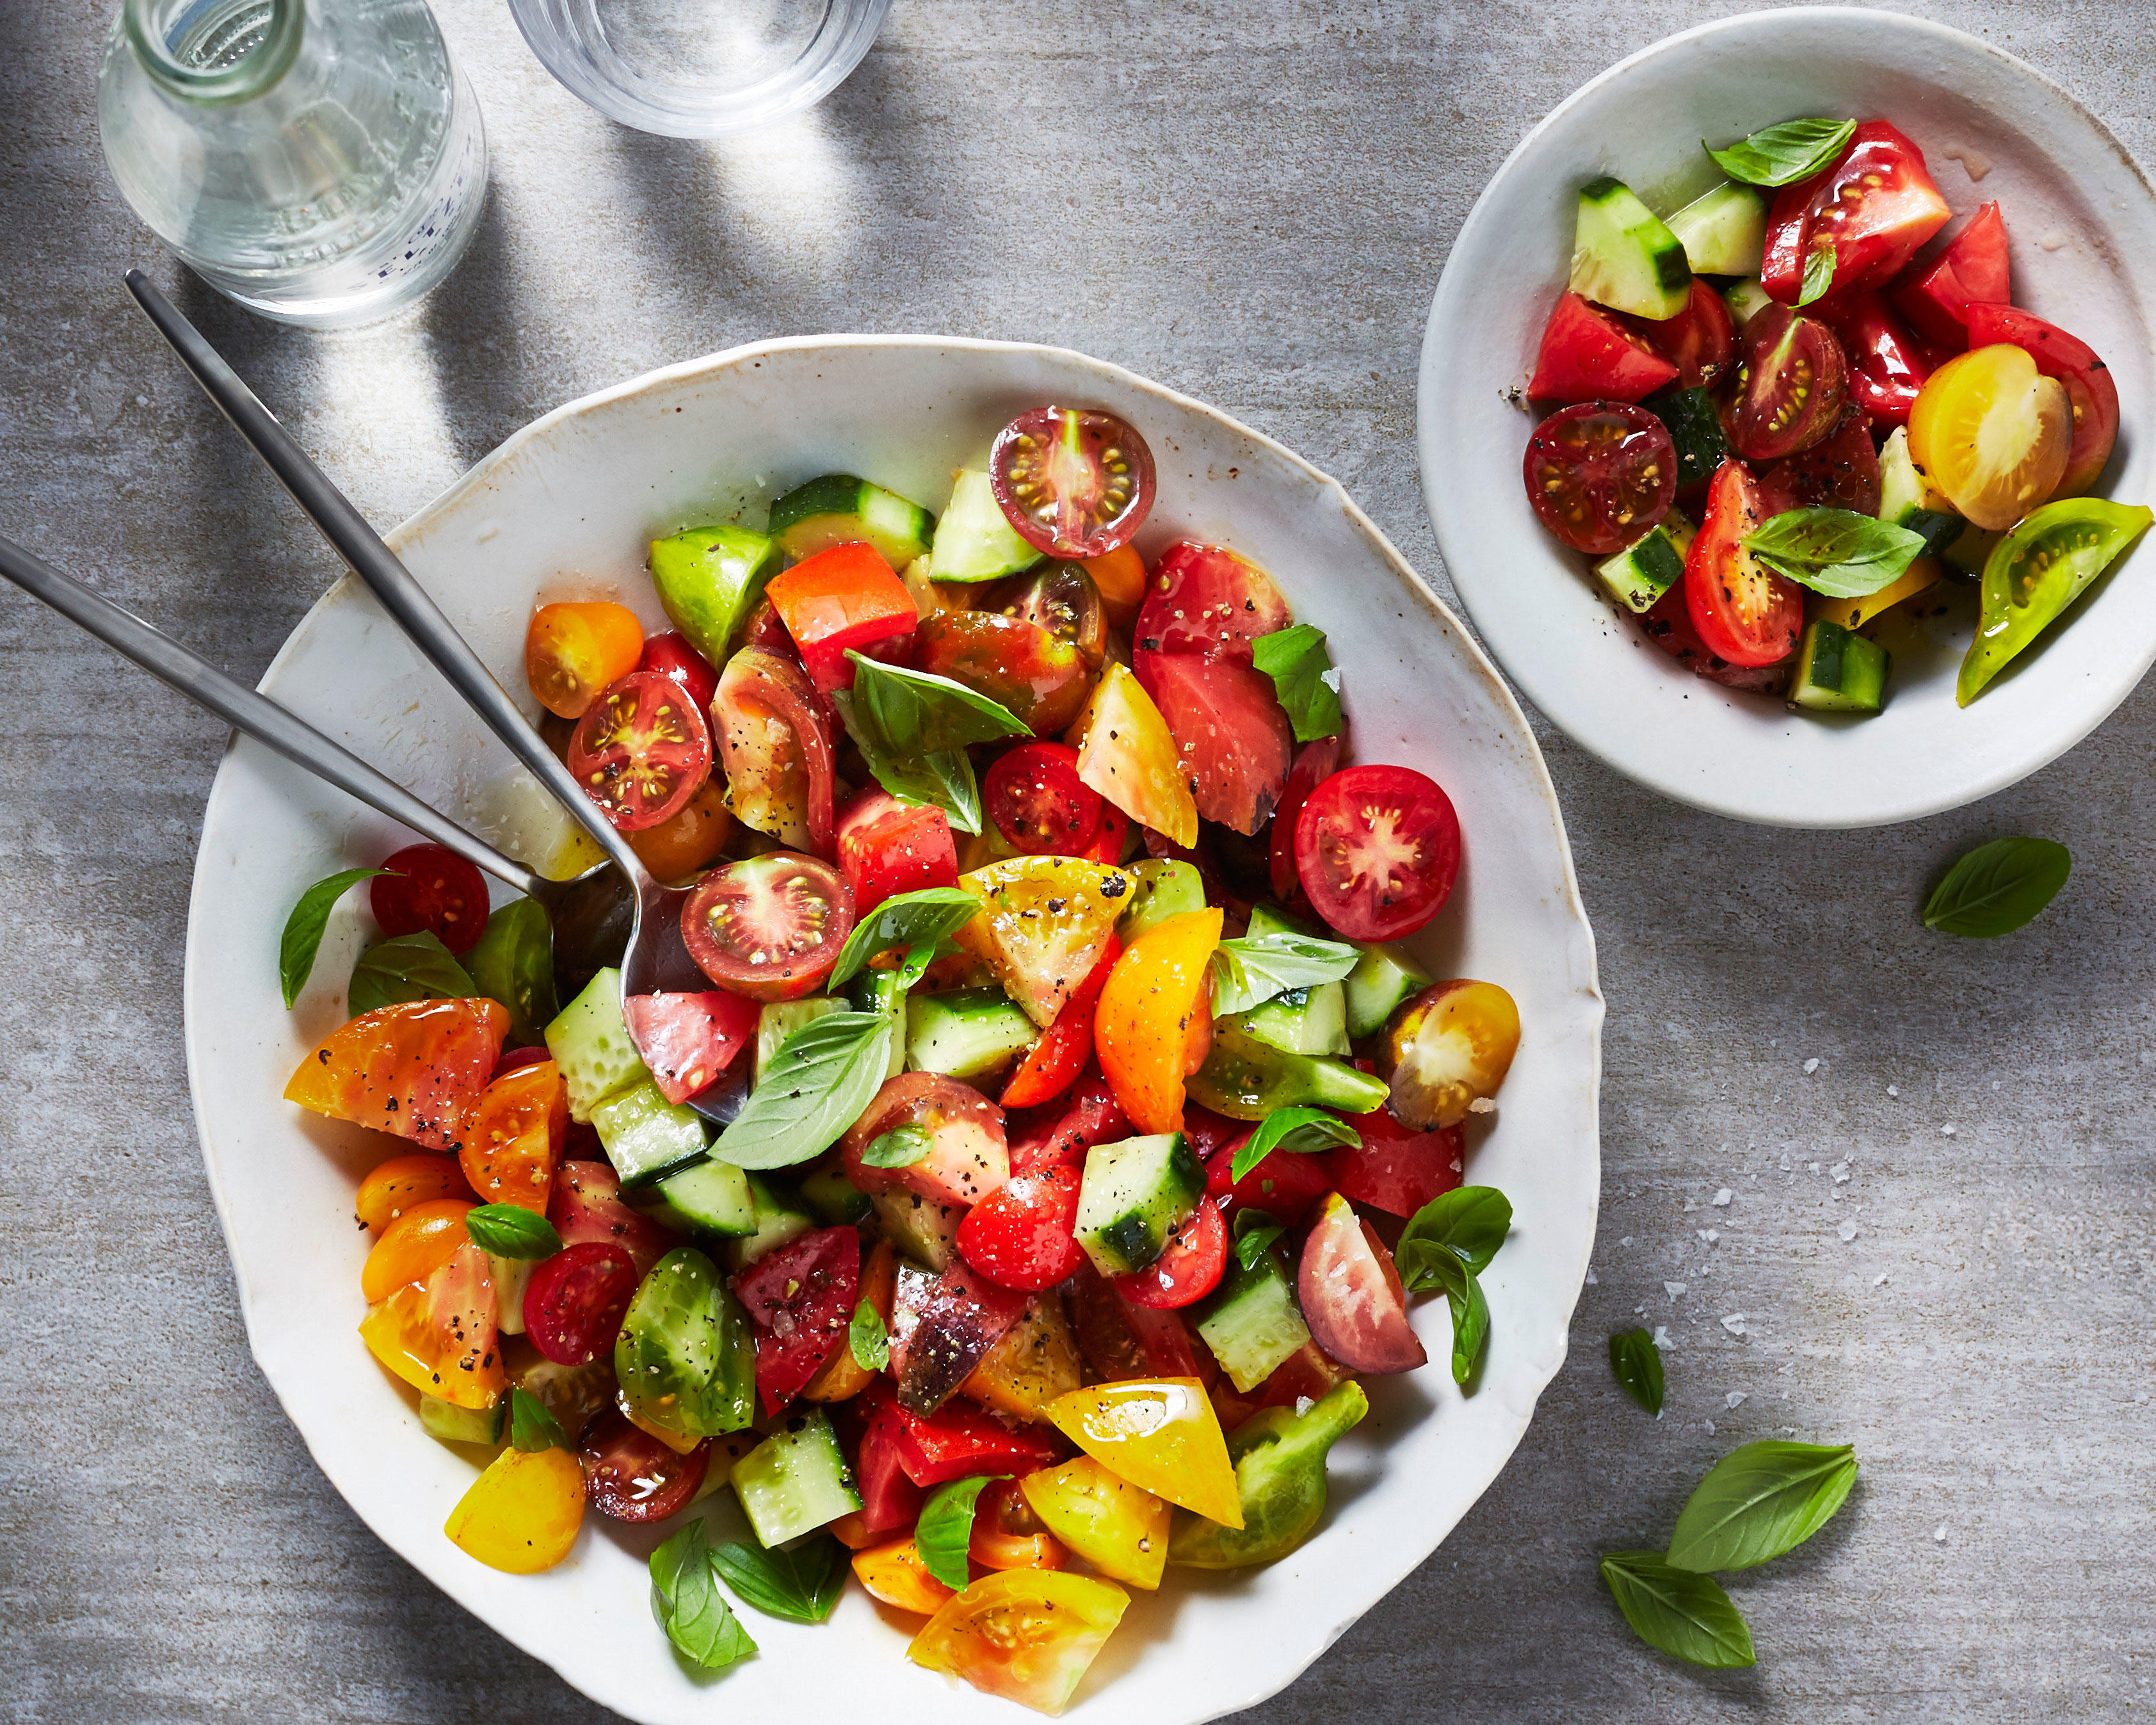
{"type": "Point", "coordinates": [699, 68]}
{"type": "Point", "coordinates": [321, 162]}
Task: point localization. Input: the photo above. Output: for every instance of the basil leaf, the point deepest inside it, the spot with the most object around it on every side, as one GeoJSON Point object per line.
{"type": "Point", "coordinates": [900, 1147]}
{"type": "Point", "coordinates": [801, 1584]}
{"type": "Point", "coordinates": [687, 1600]}
{"type": "Point", "coordinates": [946, 1529]}
{"type": "Point", "coordinates": [1303, 678]}
{"type": "Point", "coordinates": [531, 1426]}
{"type": "Point", "coordinates": [918, 712]}
{"type": "Point", "coordinates": [1299, 1130]}
{"type": "Point", "coordinates": [1249, 971]}
{"type": "Point", "coordinates": [1759, 1501]}
{"type": "Point", "coordinates": [511, 1231]}
{"type": "Point", "coordinates": [1836, 551]}
{"type": "Point", "coordinates": [909, 920]}
{"type": "Point", "coordinates": [1424, 1266]}
{"type": "Point", "coordinates": [1781, 155]}
{"type": "Point", "coordinates": [1686, 1615]}
{"type": "Point", "coordinates": [915, 965]}
{"type": "Point", "coordinates": [513, 961]}
{"type": "Point", "coordinates": [825, 1076]}
{"type": "Point", "coordinates": [944, 779]}
{"type": "Point", "coordinates": [1819, 271]}
{"type": "Point", "coordinates": [304, 927]}
{"type": "Point", "coordinates": [1255, 1231]}
{"type": "Point", "coordinates": [1470, 1221]}
{"type": "Point", "coordinates": [1998, 887]}
{"type": "Point", "coordinates": [867, 1339]}
{"type": "Point", "coordinates": [411, 967]}
{"type": "Point", "coordinates": [1638, 1364]}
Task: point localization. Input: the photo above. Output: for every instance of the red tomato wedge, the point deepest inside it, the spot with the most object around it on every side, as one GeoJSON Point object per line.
{"type": "Point", "coordinates": [886, 848]}
{"type": "Point", "coordinates": [1308, 1371]}
{"type": "Point", "coordinates": [1072, 481]}
{"type": "Point", "coordinates": [1886, 367]}
{"type": "Point", "coordinates": [800, 1298]}
{"type": "Point", "coordinates": [775, 746]}
{"type": "Point", "coordinates": [641, 750]}
{"type": "Point", "coordinates": [889, 1498]}
{"type": "Point", "coordinates": [2090, 388]}
{"type": "Point", "coordinates": [1744, 612]}
{"type": "Point", "coordinates": [632, 1477]}
{"type": "Point", "coordinates": [1313, 763]}
{"type": "Point", "coordinates": [587, 1208]}
{"type": "Point", "coordinates": [1377, 849]}
{"type": "Point", "coordinates": [1052, 1064]}
{"type": "Point", "coordinates": [1121, 1339]}
{"type": "Point", "coordinates": [1875, 206]}
{"type": "Point", "coordinates": [431, 889]}
{"type": "Point", "coordinates": [1397, 1169]}
{"type": "Point", "coordinates": [1091, 1116]}
{"type": "Point", "coordinates": [1587, 355]}
{"type": "Point", "coordinates": [1600, 475]}
{"type": "Point", "coordinates": [961, 1439]}
{"type": "Point", "coordinates": [575, 1302]}
{"type": "Point", "coordinates": [1842, 473]}
{"type": "Point", "coordinates": [1190, 1266]}
{"type": "Point", "coordinates": [846, 597]}
{"type": "Point", "coordinates": [1699, 340]}
{"type": "Point", "coordinates": [412, 1069]}
{"type": "Point", "coordinates": [770, 928]}
{"type": "Point", "coordinates": [670, 655]}
{"type": "Point", "coordinates": [1113, 837]}
{"type": "Point", "coordinates": [1023, 1235]}
{"type": "Point", "coordinates": [967, 1158]}
{"type": "Point", "coordinates": [1233, 742]}
{"type": "Point", "coordinates": [1038, 803]}
{"type": "Point", "coordinates": [1351, 1295]}
{"type": "Point", "coordinates": [1285, 1185]}
{"type": "Point", "coordinates": [688, 1040]}
{"type": "Point", "coordinates": [1972, 270]}
{"type": "Point", "coordinates": [1206, 599]}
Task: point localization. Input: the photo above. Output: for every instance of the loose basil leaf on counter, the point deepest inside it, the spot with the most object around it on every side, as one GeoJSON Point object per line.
{"type": "Point", "coordinates": [1255, 1231]}
{"type": "Point", "coordinates": [1685, 1615]}
{"type": "Point", "coordinates": [1998, 887]}
{"type": "Point", "coordinates": [1836, 552]}
{"type": "Point", "coordinates": [900, 1147]}
{"type": "Point", "coordinates": [411, 967]}
{"type": "Point", "coordinates": [1819, 271]}
{"type": "Point", "coordinates": [1781, 155]}
{"type": "Point", "coordinates": [1470, 1221]}
{"type": "Point", "coordinates": [944, 779]}
{"type": "Point", "coordinates": [513, 961]}
{"type": "Point", "coordinates": [1249, 971]}
{"type": "Point", "coordinates": [511, 1231]}
{"type": "Point", "coordinates": [801, 1584]}
{"type": "Point", "coordinates": [867, 1339]}
{"type": "Point", "coordinates": [1303, 678]}
{"type": "Point", "coordinates": [530, 1427]}
{"type": "Point", "coordinates": [823, 1079]}
{"type": "Point", "coordinates": [1760, 1501]}
{"type": "Point", "coordinates": [909, 920]}
{"type": "Point", "coordinates": [1638, 1365]}
{"type": "Point", "coordinates": [687, 1600]}
{"type": "Point", "coordinates": [304, 927]}
{"type": "Point", "coordinates": [1298, 1130]}
{"type": "Point", "coordinates": [946, 1529]}
{"type": "Point", "coordinates": [916, 712]}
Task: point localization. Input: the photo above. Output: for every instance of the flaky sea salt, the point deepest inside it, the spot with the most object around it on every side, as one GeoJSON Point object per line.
{"type": "Point", "coordinates": [1722, 1198]}
{"type": "Point", "coordinates": [1735, 1398]}
{"type": "Point", "coordinates": [1675, 1289]}
{"type": "Point", "coordinates": [1847, 1231]}
{"type": "Point", "coordinates": [1812, 1065]}
{"type": "Point", "coordinates": [1734, 1323]}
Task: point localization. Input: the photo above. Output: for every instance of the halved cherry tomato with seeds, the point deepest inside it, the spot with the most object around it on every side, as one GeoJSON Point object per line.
{"type": "Point", "coordinates": [1744, 611]}
{"type": "Point", "coordinates": [518, 1126]}
{"type": "Point", "coordinates": [1378, 850]}
{"type": "Point", "coordinates": [1190, 1266]}
{"type": "Point", "coordinates": [429, 888]}
{"type": "Point", "coordinates": [573, 651]}
{"type": "Point", "coordinates": [1072, 481]}
{"type": "Point", "coordinates": [1588, 354]}
{"type": "Point", "coordinates": [575, 1302]}
{"type": "Point", "coordinates": [1792, 379]}
{"type": "Point", "coordinates": [632, 1477]}
{"type": "Point", "coordinates": [1841, 473]}
{"type": "Point", "coordinates": [1875, 205]}
{"type": "Point", "coordinates": [770, 928]}
{"type": "Point", "coordinates": [1350, 1295]}
{"type": "Point", "coordinates": [2091, 392]}
{"type": "Point", "coordinates": [1040, 804]}
{"type": "Point", "coordinates": [641, 750]}
{"type": "Point", "coordinates": [1061, 597]}
{"type": "Point", "coordinates": [1601, 475]}
{"type": "Point", "coordinates": [1993, 433]}
{"type": "Point", "coordinates": [1044, 681]}
{"type": "Point", "coordinates": [1699, 340]}
{"type": "Point", "coordinates": [774, 744]}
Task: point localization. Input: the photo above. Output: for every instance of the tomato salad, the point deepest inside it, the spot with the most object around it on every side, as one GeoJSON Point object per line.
{"type": "Point", "coordinates": [1775, 422]}
{"type": "Point", "coordinates": [1095, 1139]}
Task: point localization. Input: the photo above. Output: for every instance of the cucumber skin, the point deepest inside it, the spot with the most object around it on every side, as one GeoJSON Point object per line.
{"type": "Point", "coordinates": [1838, 672]}
{"type": "Point", "coordinates": [1245, 1080]}
{"type": "Point", "coordinates": [898, 528]}
{"type": "Point", "coordinates": [1694, 424]}
{"type": "Point", "coordinates": [1382, 978]}
{"type": "Point", "coordinates": [967, 1034]}
{"type": "Point", "coordinates": [452, 1424]}
{"type": "Point", "coordinates": [1728, 230]}
{"type": "Point", "coordinates": [1624, 257]}
{"type": "Point", "coordinates": [1136, 1227]}
{"type": "Point", "coordinates": [647, 1137]}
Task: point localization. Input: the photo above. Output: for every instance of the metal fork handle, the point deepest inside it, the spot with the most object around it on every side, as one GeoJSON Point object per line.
{"type": "Point", "coordinates": [408, 603]}
{"type": "Point", "coordinates": [249, 711]}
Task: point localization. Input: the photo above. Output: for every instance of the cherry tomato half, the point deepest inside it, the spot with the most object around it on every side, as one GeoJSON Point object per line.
{"type": "Point", "coordinates": [775, 746]}
{"type": "Point", "coordinates": [1792, 379]}
{"type": "Point", "coordinates": [1699, 340]}
{"type": "Point", "coordinates": [1743, 611]}
{"type": "Point", "coordinates": [573, 651]}
{"type": "Point", "coordinates": [1072, 481]}
{"type": "Point", "coordinates": [1601, 475]}
{"type": "Point", "coordinates": [430, 888]}
{"type": "Point", "coordinates": [575, 1302]}
{"type": "Point", "coordinates": [1875, 205]}
{"type": "Point", "coordinates": [1034, 795]}
{"type": "Point", "coordinates": [1208, 600]}
{"type": "Point", "coordinates": [2091, 392]}
{"type": "Point", "coordinates": [1378, 850]}
{"type": "Point", "coordinates": [671, 656]}
{"type": "Point", "coordinates": [403, 1182]}
{"type": "Point", "coordinates": [1063, 599]}
{"type": "Point", "coordinates": [641, 750]}
{"type": "Point", "coordinates": [770, 928]}
{"type": "Point", "coordinates": [1190, 1266]}
{"type": "Point", "coordinates": [632, 1477]}
{"type": "Point", "coordinates": [1313, 763]}
{"type": "Point", "coordinates": [1993, 433]}
{"type": "Point", "coordinates": [1023, 1235]}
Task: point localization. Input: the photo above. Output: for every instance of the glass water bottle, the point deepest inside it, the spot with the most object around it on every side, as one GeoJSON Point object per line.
{"type": "Point", "coordinates": [321, 162]}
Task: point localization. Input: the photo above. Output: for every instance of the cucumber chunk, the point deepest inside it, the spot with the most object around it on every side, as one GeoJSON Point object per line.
{"type": "Point", "coordinates": [1303, 1021]}
{"type": "Point", "coordinates": [779, 1019]}
{"type": "Point", "coordinates": [1639, 575]}
{"type": "Point", "coordinates": [1724, 233]}
{"type": "Point", "coordinates": [974, 540]}
{"type": "Point", "coordinates": [1162, 887]}
{"type": "Point", "coordinates": [1624, 258]}
{"type": "Point", "coordinates": [510, 1276]}
{"type": "Point", "coordinates": [1244, 1079]}
{"type": "Point", "coordinates": [1907, 499]}
{"type": "Point", "coordinates": [1838, 672]}
{"type": "Point", "coordinates": [839, 509]}
{"type": "Point", "coordinates": [835, 1200]}
{"type": "Point", "coordinates": [1694, 424]}
{"type": "Point", "coordinates": [779, 1217]}
{"type": "Point", "coordinates": [967, 1034]}
{"type": "Point", "coordinates": [709, 580]}
{"type": "Point", "coordinates": [880, 991]}
{"type": "Point", "coordinates": [1746, 301]}
{"type": "Point", "coordinates": [590, 1042]}
{"type": "Point", "coordinates": [712, 1198]}
{"type": "Point", "coordinates": [795, 1480]}
{"type": "Point", "coordinates": [1133, 1196]}
{"type": "Point", "coordinates": [1383, 977]}
{"type": "Point", "coordinates": [1253, 1323]}
{"type": "Point", "coordinates": [454, 1425]}
{"type": "Point", "coordinates": [921, 1228]}
{"type": "Point", "coordinates": [646, 1136]}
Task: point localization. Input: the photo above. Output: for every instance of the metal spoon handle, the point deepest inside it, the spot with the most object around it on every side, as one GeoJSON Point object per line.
{"type": "Point", "coordinates": [408, 603]}
{"type": "Point", "coordinates": [261, 718]}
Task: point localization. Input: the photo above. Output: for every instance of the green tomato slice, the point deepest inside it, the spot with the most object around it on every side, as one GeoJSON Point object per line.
{"type": "Point", "coordinates": [2037, 570]}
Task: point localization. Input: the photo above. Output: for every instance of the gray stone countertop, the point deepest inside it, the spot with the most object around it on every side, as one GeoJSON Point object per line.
{"type": "Point", "coordinates": [1251, 203]}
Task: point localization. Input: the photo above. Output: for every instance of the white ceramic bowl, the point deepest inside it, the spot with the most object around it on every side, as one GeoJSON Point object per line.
{"type": "Point", "coordinates": [565, 508]}
{"type": "Point", "coordinates": [2083, 225]}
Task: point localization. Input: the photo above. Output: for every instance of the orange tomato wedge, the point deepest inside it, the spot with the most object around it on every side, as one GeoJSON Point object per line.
{"type": "Point", "coordinates": [572, 652]}
{"type": "Point", "coordinates": [412, 1069]}
{"type": "Point", "coordinates": [895, 1574]}
{"type": "Point", "coordinates": [1026, 1634]}
{"type": "Point", "coordinates": [403, 1181]}
{"type": "Point", "coordinates": [1155, 1010]}
{"type": "Point", "coordinates": [1120, 576]}
{"type": "Point", "coordinates": [518, 1126]}
{"type": "Point", "coordinates": [443, 1337]}
{"type": "Point", "coordinates": [1161, 1434]}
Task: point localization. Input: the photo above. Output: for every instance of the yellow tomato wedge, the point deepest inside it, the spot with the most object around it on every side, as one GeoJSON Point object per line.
{"type": "Point", "coordinates": [1127, 752]}
{"type": "Point", "coordinates": [1921, 576]}
{"type": "Point", "coordinates": [1155, 1015]}
{"type": "Point", "coordinates": [1161, 1434]}
{"type": "Point", "coordinates": [1026, 1634]}
{"type": "Point", "coordinates": [522, 1514]}
{"type": "Point", "coordinates": [1992, 434]}
{"type": "Point", "coordinates": [895, 1573]}
{"type": "Point", "coordinates": [1044, 922]}
{"type": "Point", "coordinates": [1121, 1529]}
{"type": "Point", "coordinates": [1031, 1364]}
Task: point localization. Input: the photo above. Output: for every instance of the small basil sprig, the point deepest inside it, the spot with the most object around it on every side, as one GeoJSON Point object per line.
{"type": "Point", "coordinates": [1998, 887]}
{"type": "Point", "coordinates": [900, 1147]}
{"type": "Point", "coordinates": [867, 1339]}
{"type": "Point", "coordinates": [686, 1601]}
{"type": "Point", "coordinates": [1447, 1244]}
{"type": "Point", "coordinates": [822, 1079]}
{"type": "Point", "coordinates": [801, 1584]}
{"type": "Point", "coordinates": [1759, 1501]}
{"type": "Point", "coordinates": [1782, 154]}
{"type": "Point", "coordinates": [1255, 1231]}
{"type": "Point", "coordinates": [411, 967]}
{"type": "Point", "coordinates": [305, 926]}
{"type": "Point", "coordinates": [1819, 271]}
{"type": "Point", "coordinates": [946, 1529]}
{"type": "Point", "coordinates": [1301, 1131]}
{"type": "Point", "coordinates": [511, 1231]}
{"type": "Point", "coordinates": [1836, 552]}
{"type": "Point", "coordinates": [1249, 971]}
{"type": "Point", "coordinates": [1637, 1363]}
{"type": "Point", "coordinates": [1303, 678]}
{"type": "Point", "coordinates": [532, 1428]}
{"type": "Point", "coordinates": [919, 712]}
{"type": "Point", "coordinates": [944, 780]}
{"type": "Point", "coordinates": [910, 919]}
{"type": "Point", "coordinates": [1683, 1613]}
